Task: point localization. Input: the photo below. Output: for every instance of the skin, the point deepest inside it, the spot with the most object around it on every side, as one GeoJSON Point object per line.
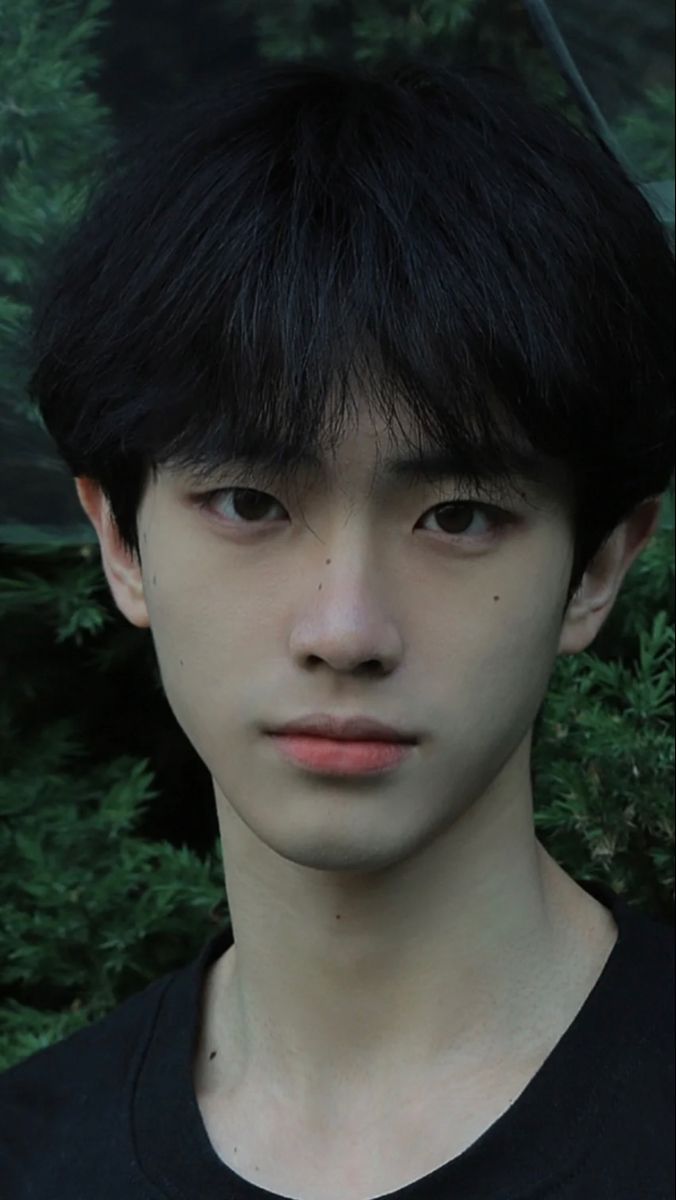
{"type": "Point", "coordinates": [356, 907]}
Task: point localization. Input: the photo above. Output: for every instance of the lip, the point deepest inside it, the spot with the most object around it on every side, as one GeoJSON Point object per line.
{"type": "Point", "coordinates": [335, 756]}
{"type": "Point", "coordinates": [348, 729]}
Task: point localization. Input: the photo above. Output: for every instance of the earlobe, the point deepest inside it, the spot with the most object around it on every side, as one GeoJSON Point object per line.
{"type": "Point", "coordinates": [121, 568]}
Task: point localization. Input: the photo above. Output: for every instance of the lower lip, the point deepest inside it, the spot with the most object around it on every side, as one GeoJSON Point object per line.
{"type": "Point", "coordinates": [328, 756]}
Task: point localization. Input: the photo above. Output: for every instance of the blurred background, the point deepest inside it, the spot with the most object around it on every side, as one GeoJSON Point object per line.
{"type": "Point", "coordinates": [111, 872]}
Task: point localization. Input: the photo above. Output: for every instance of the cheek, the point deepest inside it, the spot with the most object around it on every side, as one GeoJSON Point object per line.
{"type": "Point", "coordinates": [198, 652]}
{"type": "Point", "coordinates": [492, 667]}
{"type": "Point", "coordinates": [211, 662]}
{"type": "Point", "coordinates": [483, 693]}
{"type": "Point", "coordinates": [514, 667]}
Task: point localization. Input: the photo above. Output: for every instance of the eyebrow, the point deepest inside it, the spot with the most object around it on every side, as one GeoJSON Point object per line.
{"type": "Point", "coordinates": [430, 465]}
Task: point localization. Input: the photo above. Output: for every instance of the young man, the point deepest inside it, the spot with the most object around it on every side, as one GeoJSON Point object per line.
{"type": "Point", "coordinates": [366, 384]}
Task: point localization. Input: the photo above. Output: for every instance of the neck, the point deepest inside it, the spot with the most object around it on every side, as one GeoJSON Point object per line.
{"type": "Point", "coordinates": [340, 985]}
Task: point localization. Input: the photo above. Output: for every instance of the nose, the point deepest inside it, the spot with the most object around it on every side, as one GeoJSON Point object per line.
{"type": "Point", "coordinates": [348, 622]}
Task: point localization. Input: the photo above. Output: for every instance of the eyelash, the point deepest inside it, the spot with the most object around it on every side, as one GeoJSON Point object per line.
{"type": "Point", "coordinates": [498, 517]}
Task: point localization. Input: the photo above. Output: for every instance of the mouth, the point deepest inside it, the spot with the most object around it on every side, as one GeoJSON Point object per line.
{"type": "Point", "coordinates": [340, 756]}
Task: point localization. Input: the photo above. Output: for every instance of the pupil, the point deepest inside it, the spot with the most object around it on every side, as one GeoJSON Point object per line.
{"type": "Point", "coordinates": [455, 514]}
{"type": "Point", "coordinates": [246, 500]}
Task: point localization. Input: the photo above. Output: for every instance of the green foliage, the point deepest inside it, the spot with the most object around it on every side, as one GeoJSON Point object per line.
{"type": "Point", "coordinates": [645, 133]}
{"type": "Point", "coordinates": [491, 31]}
{"type": "Point", "coordinates": [99, 893]}
{"type": "Point", "coordinates": [384, 26]}
{"type": "Point", "coordinates": [90, 912]}
{"type": "Point", "coordinates": [68, 594]}
{"type": "Point", "coordinates": [603, 754]}
{"type": "Point", "coordinates": [604, 762]}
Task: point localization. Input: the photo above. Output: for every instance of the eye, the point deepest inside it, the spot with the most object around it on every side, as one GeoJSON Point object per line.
{"type": "Point", "coordinates": [248, 507]}
{"type": "Point", "coordinates": [245, 503]}
{"type": "Point", "coordinates": [456, 518]}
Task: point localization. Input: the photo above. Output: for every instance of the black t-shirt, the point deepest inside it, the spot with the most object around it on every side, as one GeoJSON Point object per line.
{"type": "Point", "coordinates": [110, 1113]}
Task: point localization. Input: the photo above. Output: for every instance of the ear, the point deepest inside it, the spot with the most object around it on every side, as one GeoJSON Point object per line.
{"type": "Point", "coordinates": [122, 569]}
{"type": "Point", "coordinates": [594, 599]}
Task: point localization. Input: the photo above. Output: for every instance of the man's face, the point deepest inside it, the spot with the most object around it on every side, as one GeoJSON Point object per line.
{"type": "Point", "coordinates": [375, 600]}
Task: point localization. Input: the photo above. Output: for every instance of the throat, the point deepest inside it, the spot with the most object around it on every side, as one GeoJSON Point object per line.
{"type": "Point", "coordinates": [506, 1047]}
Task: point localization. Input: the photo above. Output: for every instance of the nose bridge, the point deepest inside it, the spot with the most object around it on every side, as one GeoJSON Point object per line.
{"type": "Point", "coordinates": [350, 570]}
{"type": "Point", "coordinates": [348, 533]}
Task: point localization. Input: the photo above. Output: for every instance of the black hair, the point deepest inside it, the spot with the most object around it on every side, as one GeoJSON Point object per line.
{"type": "Point", "coordinates": [251, 249]}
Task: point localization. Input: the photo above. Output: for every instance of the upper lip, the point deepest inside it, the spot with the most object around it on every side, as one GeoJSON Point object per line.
{"type": "Point", "coordinates": [357, 729]}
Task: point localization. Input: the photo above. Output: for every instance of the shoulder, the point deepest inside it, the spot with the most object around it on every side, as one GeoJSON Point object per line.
{"type": "Point", "coordinates": [70, 1100]}
{"type": "Point", "coordinates": [645, 986]}
{"type": "Point", "coordinates": [648, 957]}
{"type": "Point", "coordinates": [89, 1050]}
